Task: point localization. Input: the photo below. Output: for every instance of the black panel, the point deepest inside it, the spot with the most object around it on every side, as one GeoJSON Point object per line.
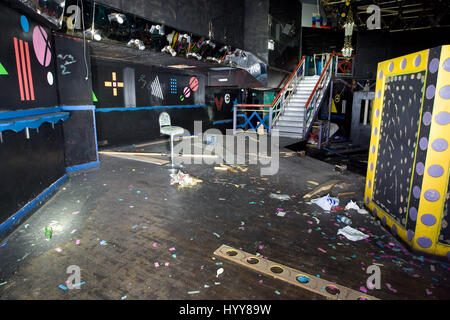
{"type": "Point", "coordinates": [37, 91]}
{"type": "Point", "coordinates": [402, 106]}
{"type": "Point", "coordinates": [126, 127]}
{"type": "Point", "coordinates": [79, 137]}
{"type": "Point", "coordinates": [256, 28]}
{"type": "Point", "coordinates": [222, 101]}
{"type": "Point", "coordinates": [444, 236]}
{"type": "Point", "coordinates": [73, 67]}
{"type": "Point", "coordinates": [29, 166]}
{"type": "Point", "coordinates": [144, 86]}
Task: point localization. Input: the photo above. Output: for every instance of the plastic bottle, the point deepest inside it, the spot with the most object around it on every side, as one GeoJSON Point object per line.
{"type": "Point", "coordinates": [344, 219]}
{"type": "Point", "coordinates": [48, 232]}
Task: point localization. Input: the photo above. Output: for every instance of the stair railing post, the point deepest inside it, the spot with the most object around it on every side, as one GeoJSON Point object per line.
{"type": "Point", "coordinates": [234, 119]}
{"type": "Point", "coordinates": [270, 120]}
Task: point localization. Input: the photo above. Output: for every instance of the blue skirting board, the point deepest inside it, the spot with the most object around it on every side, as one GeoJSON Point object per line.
{"type": "Point", "coordinates": [16, 218]}
{"type": "Point", "coordinates": [83, 166]}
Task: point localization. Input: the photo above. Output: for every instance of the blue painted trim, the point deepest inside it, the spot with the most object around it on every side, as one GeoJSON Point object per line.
{"type": "Point", "coordinates": [19, 215]}
{"type": "Point", "coordinates": [83, 166]}
{"type": "Point", "coordinates": [33, 122]}
{"type": "Point", "coordinates": [77, 108]}
{"type": "Point", "coordinates": [149, 108]}
{"type": "Point", "coordinates": [222, 121]}
{"type": "Point", "coordinates": [95, 133]}
{"type": "Point", "coordinates": [27, 113]}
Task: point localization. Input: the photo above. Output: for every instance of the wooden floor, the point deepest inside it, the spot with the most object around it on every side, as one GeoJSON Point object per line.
{"type": "Point", "coordinates": [132, 206]}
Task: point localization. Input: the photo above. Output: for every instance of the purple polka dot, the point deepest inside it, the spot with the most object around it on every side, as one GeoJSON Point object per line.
{"type": "Point", "coordinates": [375, 131]}
{"type": "Point", "coordinates": [410, 235]}
{"type": "Point", "coordinates": [370, 183]}
{"type": "Point", "coordinates": [445, 92]}
{"type": "Point", "coordinates": [375, 211]}
{"type": "Point", "coordinates": [424, 242]}
{"type": "Point", "coordinates": [435, 171]}
{"type": "Point", "coordinates": [420, 168]}
{"type": "Point", "coordinates": [416, 192]}
{"type": "Point", "coordinates": [391, 67]}
{"type": "Point", "coordinates": [367, 200]}
{"type": "Point", "coordinates": [447, 65]}
{"type": "Point", "coordinates": [383, 220]}
{"type": "Point", "coordinates": [423, 143]}
{"type": "Point", "coordinates": [417, 61]}
{"type": "Point", "coordinates": [413, 213]}
{"type": "Point", "coordinates": [377, 113]}
{"type": "Point", "coordinates": [431, 90]}
{"type": "Point", "coordinates": [380, 74]}
{"type": "Point", "coordinates": [443, 118]}
{"type": "Point", "coordinates": [394, 229]}
{"type": "Point", "coordinates": [426, 118]}
{"type": "Point", "coordinates": [439, 145]}
{"type": "Point", "coordinates": [434, 65]}
{"type": "Point", "coordinates": [431, 195]}
{"type": "Point", "coordinates": [379, 94]}
{"type": "Point", "coordinates": [403, 64]}
{"type": "Point", "coordinates": [371, 167]}
{"type": "Point", "coordinates": [428, 220]}
{"type": "Point", "coordinates": [373, 149]}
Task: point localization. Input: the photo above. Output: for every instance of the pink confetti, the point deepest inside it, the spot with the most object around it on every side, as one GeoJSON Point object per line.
{"type": "Point", "coordinates": [172, 249]}
{"type": "Point", "coordinates": [77, 242]}
{"type": "Point", "coordinates": [154, 244]}
{"type": "Point", "coordinates": [370, 285]}
{"type": "Point", "coordinates": [58, 249]}
{"type": "Point", "coordinates": [260, 281]}
{"type": "Point", "coordinates": [390, 287]}
{"type": "Point", "coordinates": [429, 292]}
{"type": "Point", "coordinates": [156, 264]}
{"type": "Point", "coordinates": [309, 230]}
{"type": "Point", "coordinates": [73, 231]}
{"type": "Point", "coordinates": [166, 264]}
{"type": "Point", "coordinates": [320, 249]}
{"type": "Point", "coordinates": [309, 221]}
{"type": "Point", "coordinates": [363, 289]}
{"type": "Point", "coordinates": [261, 246]}
{"type": "Point", "coordinates": [76, 212]}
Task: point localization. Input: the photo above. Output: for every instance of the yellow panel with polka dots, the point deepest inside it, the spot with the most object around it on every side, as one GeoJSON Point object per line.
{"type": "Point", "coordinates": [430, 234]}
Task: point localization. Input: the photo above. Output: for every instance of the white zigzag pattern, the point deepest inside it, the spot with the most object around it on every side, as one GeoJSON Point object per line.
{"type": "Point", "coordinates": [156, 89]}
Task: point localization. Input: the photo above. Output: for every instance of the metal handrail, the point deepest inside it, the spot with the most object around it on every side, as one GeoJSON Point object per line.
{"type": "Point", "coordinates": [311, 104]}
{"type": "Point", "coordinates": [277, 105]}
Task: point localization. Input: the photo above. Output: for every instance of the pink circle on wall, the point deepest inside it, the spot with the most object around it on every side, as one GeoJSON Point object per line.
{"type": "Point", "coordinates": [42, 46]}
{"type": "Point", "coordinates": [193, 84]}
{"type": "Point", "coordinates": [187, 92]}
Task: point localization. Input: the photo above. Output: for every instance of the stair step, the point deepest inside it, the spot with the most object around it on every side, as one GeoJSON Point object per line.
{"type": "Point", "coordinates": [290, 135]}
{"type": "Point", "coordinates": [294, 118]}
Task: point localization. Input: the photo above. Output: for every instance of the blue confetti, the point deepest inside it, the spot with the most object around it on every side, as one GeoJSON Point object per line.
{"type": "Point", "coordinates": [103, 243]}
{"type": "Point", "coordinates": [62, 287]}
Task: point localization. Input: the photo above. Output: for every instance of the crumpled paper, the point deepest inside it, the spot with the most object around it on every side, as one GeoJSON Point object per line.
{"type": "Point", "coordinates": [184, 179]}
{"type": "Point", "coordinates": [326, 202]}
{"type": "Point", "coordinates": [280, 196]}
{"type": "Point", "coordinates": [353, 205]}
{"type": "Point", "coordinates": [352, 234]}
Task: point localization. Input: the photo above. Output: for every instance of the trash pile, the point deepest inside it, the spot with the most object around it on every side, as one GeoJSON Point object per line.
{"type": "Point", "coordinates": [326, 202]}
{"type": "Point", "coordinates": [184, 180]}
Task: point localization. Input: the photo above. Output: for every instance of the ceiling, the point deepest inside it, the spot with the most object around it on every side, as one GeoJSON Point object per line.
{"type": "Point", "coordinates": [396, 15]}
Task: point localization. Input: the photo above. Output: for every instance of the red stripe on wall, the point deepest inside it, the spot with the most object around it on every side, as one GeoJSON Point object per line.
{"type": "Point", "coordinates": [19, 71]}
{"type": "Point", "coordinates": [25, 79]}
{"type": "Point", "coordinates": [30, 77]}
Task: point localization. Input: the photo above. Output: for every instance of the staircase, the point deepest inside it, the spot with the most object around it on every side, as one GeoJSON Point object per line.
{"type": "Point", "coordinates": [291, 123]}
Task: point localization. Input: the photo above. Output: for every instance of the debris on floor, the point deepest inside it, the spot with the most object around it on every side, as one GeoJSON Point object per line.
{"type": "Point", "coordinates": [353, 205]}
{"type": "Point", "coordinates": [326, 202]}
{"type": "Point", "coordinates": [184, 180]}
{"type": "Point", "coordinates": [323, 187]}
{"type": "Point", "coordinates": [352, 234]}
{"type": "Point", "coordinates": [280, 196]}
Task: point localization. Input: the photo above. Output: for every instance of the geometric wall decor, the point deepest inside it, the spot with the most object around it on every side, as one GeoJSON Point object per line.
{"type": "Point", "coordinates": [409, 157]}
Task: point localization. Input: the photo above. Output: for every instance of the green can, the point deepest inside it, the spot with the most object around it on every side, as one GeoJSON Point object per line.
{"type": "Point", "coordinates": [48, 232]}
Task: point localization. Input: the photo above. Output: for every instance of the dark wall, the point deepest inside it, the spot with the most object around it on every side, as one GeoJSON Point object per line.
{"type": "Point", "coordinates": [194, 16]}
{"type": "Point", "coordinates": [256, 28]}
{"type": "Point", "coordinates": [318, 40]}
{"type": "Point", "coordinates": [28, 166]}
{"type": "Point", "coordinates": [30, 81]}
{"type": "Point", "coordinates": [375, 46]}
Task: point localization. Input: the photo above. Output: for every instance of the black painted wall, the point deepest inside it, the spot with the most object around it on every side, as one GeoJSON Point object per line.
{"type": "Point", "coordinates": [375, 46]}
{"type": "Point", "coordinates": [28, 166]}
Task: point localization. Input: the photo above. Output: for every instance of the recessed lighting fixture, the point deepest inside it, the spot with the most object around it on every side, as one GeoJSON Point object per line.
{"type": "Point", "coordinates": [181, 66]}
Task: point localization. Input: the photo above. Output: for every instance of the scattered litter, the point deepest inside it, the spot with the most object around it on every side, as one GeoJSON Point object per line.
{"type": "Point", "coordinates": [4, 244]}
{"type": "Point", "coordinates": [77, 242]}
{"type": "Point", "coordinates": [219, 272]}
{"type": "Point", "coordinates": [58, 249]}
{"type": "Point", "coordinates": [352, 234]}
{"type": "Point", "coordinates": [280, 196]}
{"type": "Point", "coordinates": [166, 264]}
{"type": "Point", "coordinates": [184, 180]}
{"type": "Point", "coordinates": [154, 244]}
{"type": "Point", "coordinates": [73, 231]}
{"type": "Point", "coordinates": [103, 243]}
{"type": "Point", "coordinates": [353, 205]}
{"type": "Point", "coordinates": [174, 255]}
{"type": "Point", "coordinates": [216, 283]}
{"type": "Point", "coordinates": [156, 264]}
{"type": "Point", "coordinates": [321, 250]}
{"type": "Point", "coordinates": [280, 212]}
{"type": "Point", "coordinates": [340, 168]}
{"type": "Point", "coordinates": [206, 286]}
{"type": "Point", "coordinates": [193, 292]}
{"type": "Point", "coordinates": [391, 288]}
{"type": "Point", "coordinates": [277, 292]}
{"type": "Point", "coordinates": [323, 187]}
{"type": "Point", "coordinates": [313, 182]}
{"type": "Point", "coordinates": [76, 212]}
{"type": "Point", "coordinates": [123, 298]}
{"type": "Point", "coordinates": [344, 219]}
{"type": "Point", "coordinates": [78, 284]}
{"type": "Point", "coordinates": [62, 287]}
{"type": "Point", "coordinates": [172, 249]}
{"type": "Point", "coordinates": [217, 235]}
{"type": "Point", "coordinates": [326, 202]}
{"type": "Point", "coordinates": [3, 283]}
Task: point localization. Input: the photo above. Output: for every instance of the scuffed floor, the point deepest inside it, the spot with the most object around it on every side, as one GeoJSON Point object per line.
{"type": "Point", "coordinates": [134, 236]}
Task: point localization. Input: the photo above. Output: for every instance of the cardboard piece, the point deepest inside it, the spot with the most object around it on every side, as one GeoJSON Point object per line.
{"type": "Point", "coordinates": [323, 187]}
